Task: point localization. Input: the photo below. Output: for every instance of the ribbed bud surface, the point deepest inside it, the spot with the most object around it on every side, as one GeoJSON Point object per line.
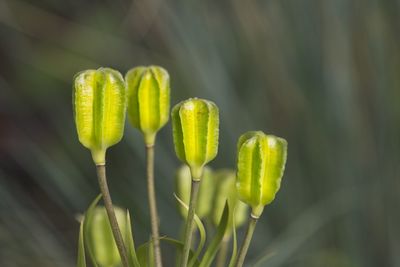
{"type": "Point", "coordinates": [261, 163]}
{"type": "Point", "coordinates": [99, 104]}
{"type": "Point", "coordinates": [195, 124]}
{"type": "Point", "coordinates": [148, 99]}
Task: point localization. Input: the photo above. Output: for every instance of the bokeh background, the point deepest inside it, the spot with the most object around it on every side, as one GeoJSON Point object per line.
{"type": "Point", "coordinates": [325, 75]}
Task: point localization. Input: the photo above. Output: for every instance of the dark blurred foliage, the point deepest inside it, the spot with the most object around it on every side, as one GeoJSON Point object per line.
{"type": "Point", "coordinates": [323, 74]}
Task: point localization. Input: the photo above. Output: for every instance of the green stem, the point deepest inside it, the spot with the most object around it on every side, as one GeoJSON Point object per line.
{"type": "Point", "coordinates": [101, 174]}
{"type": "Point", "coordinates": [153, 204]}
{"type": "Point", "coordinates": [246, 242]}
{"type": "Point", "coordinates": [190, 223]}
{"type": "Point", "coordinates": [223, 251]}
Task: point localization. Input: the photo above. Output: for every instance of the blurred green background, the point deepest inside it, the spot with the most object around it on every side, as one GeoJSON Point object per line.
{"type": "Point", "coordinates": [325, 75]}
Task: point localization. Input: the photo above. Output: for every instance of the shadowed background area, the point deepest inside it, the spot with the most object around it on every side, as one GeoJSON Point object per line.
{"type": "Point", "coordinates": [322, 74]}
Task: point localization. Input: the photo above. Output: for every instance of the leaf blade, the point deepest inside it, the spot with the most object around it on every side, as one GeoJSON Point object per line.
{"type": "Point", "coordinates": [130, 242]}
{"type": "Point", "coordinates": [202, 232]}
{"type": "Point", "coordinates": [213, 248]}
{"type": "Point", "coordinates": [81, 262]}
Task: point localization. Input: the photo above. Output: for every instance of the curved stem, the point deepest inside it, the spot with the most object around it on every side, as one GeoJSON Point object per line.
{"type": "Point", "coordinates": [101, 175]}
{"type": "Point", "coordinates": [190, 223]}
{"type": "Point", "coordinates": [153, 204]}
{"type": "Point", "coordinates": [246, 242]}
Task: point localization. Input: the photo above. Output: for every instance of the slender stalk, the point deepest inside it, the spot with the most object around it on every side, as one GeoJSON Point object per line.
{"type": "Point", "coordinates": [190, 223]}
{"type": "Point", "coordinates": [223, 251]}
{"type": "Point", "coordinates": [153, 204]}
{"type": "Point", "coordinates": [246, 242]}
{"type": "Point", "coordinates": [101, 175]}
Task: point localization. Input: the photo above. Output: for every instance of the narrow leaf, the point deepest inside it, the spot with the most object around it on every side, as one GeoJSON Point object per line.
{"type": "Point", "coordinates": [213, 248]}
{"type": "Point", "coordinates": [130, 242]}
{"type": "Point", "coordinates": [234, 244]}
{"type": "Point", "coordinates": [145, 255]}
{"type": "Point", "coordinates": [81, 248]}
{"type": "Point", "coordinates": [202, 232]}
{"type": "Point", "coordinates": [143, 251]}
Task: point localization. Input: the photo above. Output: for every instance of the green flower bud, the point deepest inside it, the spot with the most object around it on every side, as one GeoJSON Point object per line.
{"type": "Point", "coordinates": [261, 163]}
{"type": "Point", "coordinates": [195, 124]}
{"type": "Point", "coordinates": [99, 109]}
{"type": "Point", "coordinates": [226, 191]}
{"type": "Point", "coordinates": [183, 181]}
{"type": "Point", "coordinates": [100, 239]}
{"type": "Point", "coordinates": [148, 100]}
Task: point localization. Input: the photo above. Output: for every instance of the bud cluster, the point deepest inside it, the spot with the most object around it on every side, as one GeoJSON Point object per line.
{"type": "Point", "coordinates": [102, 97]}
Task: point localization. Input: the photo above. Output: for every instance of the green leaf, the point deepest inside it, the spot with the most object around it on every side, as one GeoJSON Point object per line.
{"type": "Point", "coordinates": [131, 244]}
{"type": "Point", "coordinates": [143, 251]}
{"type": "Point", "coordinates": [179, 246]}
{"type": "Point", "coordinates": [81, 248]}
{"type": "Point", "coordinates": [225, 190]}
{"type": "Point", "coordinates": [88, 215]}
{"type": "Point", "coordinates": [145, 255]}
{"type": "Point", "coordinates": [213, 248]}
{"type": "Point", "coordinates": [183, 181]}
{"type": "Point", "coordinates": [234, 244]}
{"type": "Point", "coordinates": [201, 228]}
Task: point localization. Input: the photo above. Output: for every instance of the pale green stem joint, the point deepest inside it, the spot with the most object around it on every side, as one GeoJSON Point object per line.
{"type": "Point", "coordinates": [149, 139]}
{"type": "Point", "coordinates": [99, 156]}
{"type": "Point", "coordinates": [197, 173]}
{"type": "Point", "coordinates": [257, 211]}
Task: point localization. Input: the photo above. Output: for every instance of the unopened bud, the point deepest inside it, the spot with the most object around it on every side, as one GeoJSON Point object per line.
{"type": "Point", "coordinates": [261, 163]}
{"type": "Point", "coordinates": [100, 239]}
{"type": "Point", "coordinates": [99, 104]}
{"type": "Point", "coordinates": [226, 191]}
{"type": "Point", "coordinates": [183, 181]}
{"type": "Point", "coordinates": [195, 125]}
{"type": "Point", "coordinates": [148, 100]}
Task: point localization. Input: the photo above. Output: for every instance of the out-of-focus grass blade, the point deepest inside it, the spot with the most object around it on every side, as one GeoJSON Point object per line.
{"type": "Point", "coordinates": [202, 232]}
{"type": "Point", "coordinates": [143, 251]}
{"type": "Point", "coordinates": [81, 248]}
{"type": "Point", "coordinates": [179, 246]}
{"type": "Point", "coordinates": [212, 249]}
{"type": "Point", "coordinates": [130, 242]}
{"type": "Point", "coordinates": [234, 244]}
{"type": "Point", "coordinates": [145, 255]}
